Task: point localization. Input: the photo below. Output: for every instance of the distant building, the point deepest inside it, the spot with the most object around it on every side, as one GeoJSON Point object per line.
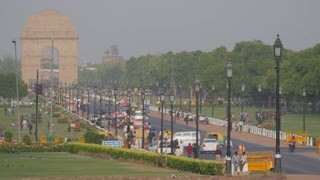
{"type": "Point", "coordinates": [112, 54]}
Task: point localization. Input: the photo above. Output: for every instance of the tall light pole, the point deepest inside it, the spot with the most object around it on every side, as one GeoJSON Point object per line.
{"type": "Point", "coordinates": [180, 92]}
{"type": "Point", "coordinates": [94, 105]}
{"type": "Point", "coordinates": [228, 161]}
{"type": "Point", "coordinates": [17, 87]}
{"type": "Point", "coordinates": [143, 96]}
{"type": "Point", "coordinates": [162, 98]}
{"type": "Point", "coordinates": [115, 110]}
{"type": "Point", "coordinates": [109, 110]}
{"type": "Point", "coordinates": [277, 49]}
{"type": "Point", "coordinates": [100, 112]}
{"type": "Point", "coordinates": [190, 99]}
{"type": "Point", "coordinates": [197, 88]}
{"type": "Point", "coordinates": [304, 93]}
{"type": "Point", "coordinates": [242, 89]}
{"type": "Point", "coordinates": [88, 103]}
{"type": "Point", "coordinates": [212, 110]}
{"type": "Point", "coordinates": [259, 94]}
{"type": "Point", "coordinates": [51, 81]}
{"type": "Point", "coordinates": [200, 94]}
{"type": "Point", "coordinates": [171, 99]}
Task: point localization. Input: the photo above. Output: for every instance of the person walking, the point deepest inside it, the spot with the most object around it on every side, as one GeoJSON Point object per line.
{"type": "Point", "coordinates": [235, 162]}
{"type": "Point", "coordinates": [189, 150]}
{"type": "Point", "coordinates": [218, 154]}
{"type": "Point", "coordinates": [242, 161]}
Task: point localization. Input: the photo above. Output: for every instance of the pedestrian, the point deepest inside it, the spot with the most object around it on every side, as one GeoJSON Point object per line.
{"type": "Point", "coordinates": [30, 128]}
{"type": "Point", "coordinates": [189, 150]}
{"type": "Point", "coordinates": [235, 162]}
{"type": "Point", "coordinates": [218, 154]}
{"type": "Point", "coordinates": [195, 151]}
{"type": "Point", "coordinates": [242, 161]}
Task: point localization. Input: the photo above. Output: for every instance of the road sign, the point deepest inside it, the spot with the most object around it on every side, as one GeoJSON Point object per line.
{"type": "Point", "coordinates": [112, 143]}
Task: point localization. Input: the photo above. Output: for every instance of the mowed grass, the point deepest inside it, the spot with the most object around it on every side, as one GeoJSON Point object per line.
{"type": "Point", "coordinates": [65, 165]}
{"type": "Point", "coordinates": [60, 129]}
{"type": "Point", "coordinates": [289, 121]}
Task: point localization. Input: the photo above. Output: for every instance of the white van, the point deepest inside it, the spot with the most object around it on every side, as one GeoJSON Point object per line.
{"type": "Point", "coordinates": [186, 137]}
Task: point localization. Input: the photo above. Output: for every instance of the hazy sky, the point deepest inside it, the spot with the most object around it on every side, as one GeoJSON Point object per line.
{"type": "Point", "coordinates": [141, 27]}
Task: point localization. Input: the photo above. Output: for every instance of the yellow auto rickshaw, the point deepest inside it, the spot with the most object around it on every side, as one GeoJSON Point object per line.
{"type": "Point", "coordinates": [215, 135]}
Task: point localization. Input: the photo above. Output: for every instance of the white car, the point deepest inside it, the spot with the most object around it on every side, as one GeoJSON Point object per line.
{"type": "Point", "coordinates": [166, 147]}
{"type": "Point", "coordinates": [209, 145]}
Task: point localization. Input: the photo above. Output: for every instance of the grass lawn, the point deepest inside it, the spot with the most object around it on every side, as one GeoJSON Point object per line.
{"type": "Point", "coordinates": [61, 129]}
{"type": "Point", "coordinates": [65, 165]}
{"type": "Point", "coordinates": [289, 122]}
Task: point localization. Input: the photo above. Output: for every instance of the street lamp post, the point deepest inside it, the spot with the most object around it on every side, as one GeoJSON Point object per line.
{"type": "Point", "coordinates": [228, 161]}
{"type": "Point", "coordinates": [143, 95]}
{"type": "Point", "coordinates": [212, 110]}
{"type": "Point", "coordinates": [242, 89]}
{"type": "Point", "coordinates": [87, 105]}
{"type": "Point", "coordinates": [51, 81]}
{"type": "Point", "coordinates": [180, 92]}
{"type": "Point", "coordinates": [197, 88]}
{"type": "Point", "coordinates": [277, 49]}
{"type": "Point", "coordinates": [17, 86]}
{"type": "Point", "coordinates": [115, 111]}
{"type": "Point", "coordinates": [304, 93]}
{"type": "Point", "coordinates": [200, 95]}
{"type": "Point", "coordinates": [162, 98]}
{"type": "Point", "coordinates": [259, 100]}
{"type": "Point", "coordinates": [81, 101]}
{"type": "Point", "coordinates": [109, 110]}
{"type": "Point", "coordinates": [190, 99]}
{"type": "Point", "coordinates": [100, 112]}
{"type": "Point", "coordinates": [171, 99]}
{"type": "Point", "coordinates": [94, 101]}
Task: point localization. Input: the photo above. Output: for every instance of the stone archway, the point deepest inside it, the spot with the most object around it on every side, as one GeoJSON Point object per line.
{"type": "Point", "coordinates": [46, 29]}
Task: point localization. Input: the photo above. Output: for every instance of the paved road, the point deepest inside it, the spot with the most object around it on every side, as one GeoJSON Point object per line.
{"type": "Point", "coordinates": [292, 163]}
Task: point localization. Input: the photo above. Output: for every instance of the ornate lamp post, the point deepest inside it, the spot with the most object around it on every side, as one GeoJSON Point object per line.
{"type": "Point", "coordinates": [242, 89]}
{"type": "Point", "coordinates": [109, 110]}
{"type": "Point", "coordinates": [277, 49]}
{"type": "Point", "coordinates": [17, 90]}
{"type": "Point", "coordinates": [115, 111]}
{"type": "Point", "coordinates": [82, 101]}
{"type": "Point", "coordinates": [171, 99]}
{"type": "Point", "coordinates": [190, 99]}
{"type": "Point", "coordinates": [200, 95]}
{"type": "Point", "coordinates": [162, 98]}
{"type": "Point", "coordinates": [143, 96]}
{"type": "Point", "coordinates": [180, 92]}
{"type": "Point", "coordinates": [100, 112]}
{"type": "Point", "coordinates": [259, 100]}
{"type": "Point", "coordinates": [197, 88]}
{"type": "Point", "coordinates": [88, 103]}
{"type": "Point", "coordinates": [212, 111]}
{"type": "Point", "coordinates": [304, 93]}
{"type": "Point", "coordinates": [228, 161]}
{"type": "Point", "coordinates": [94, 105]}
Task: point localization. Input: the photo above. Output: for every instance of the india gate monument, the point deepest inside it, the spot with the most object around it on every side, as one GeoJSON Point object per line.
{"type": "Point", "coordinates": [49, 45]}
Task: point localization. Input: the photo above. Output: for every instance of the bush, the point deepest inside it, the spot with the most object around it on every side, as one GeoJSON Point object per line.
{"type": "Point", "coordinates": [63, 119]}
{"type": "Point", "coordinates": [56, 114]}
{"type": "Point", "coordinates": [8, 136]}
{"type": "Point", "coordinates": [26, 139]}
{"type": "Point", "coordinates": [95, 138]}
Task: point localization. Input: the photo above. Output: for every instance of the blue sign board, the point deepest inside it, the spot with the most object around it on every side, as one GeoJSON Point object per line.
{"type": "Point", "coordinates": [112, 143]}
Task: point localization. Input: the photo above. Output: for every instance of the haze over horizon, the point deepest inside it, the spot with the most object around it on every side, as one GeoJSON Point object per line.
{"type": "Point", "coordinates": [144, 27]}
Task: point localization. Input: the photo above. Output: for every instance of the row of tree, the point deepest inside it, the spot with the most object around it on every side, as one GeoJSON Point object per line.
{"type": "Point", "coordinates": [253, 65]}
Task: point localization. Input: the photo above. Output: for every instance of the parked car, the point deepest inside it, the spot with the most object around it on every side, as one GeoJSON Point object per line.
{"type": "Point", "coordinates": [188, 117]}
{"type": "Point", "coordinates": [203, 119]}
{"type": "Point", "coordinates": [166, 147]}
{"type": "Point", "coordinates": [209, 145]}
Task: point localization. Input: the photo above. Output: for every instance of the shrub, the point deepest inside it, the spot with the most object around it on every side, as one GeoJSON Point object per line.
{"type": "Point", "coordinates": [26, 139]}
{"type": "Point", "coordinates": [8, 136]}
{"type": "Point", "coordinates": [95, 138]}
{"type": "Point", "coordinates": [63, 119]}
{"type": "Point", "coordinates": [56, 114]}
